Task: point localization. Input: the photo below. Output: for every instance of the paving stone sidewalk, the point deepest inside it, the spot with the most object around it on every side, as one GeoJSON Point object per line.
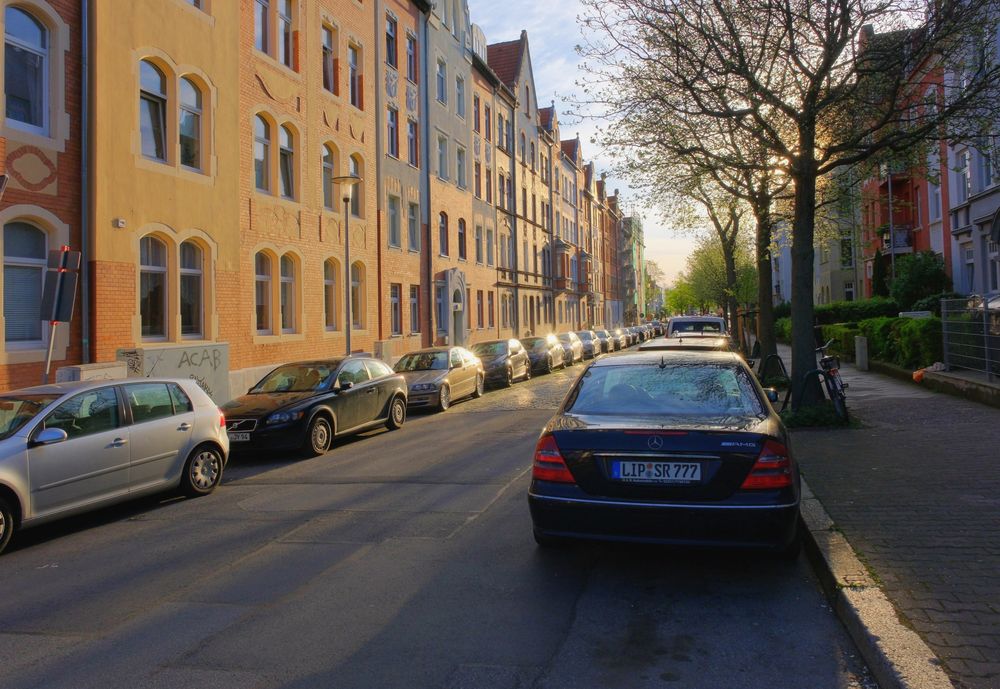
{"type": "Point", "coordinates": [916, 491]}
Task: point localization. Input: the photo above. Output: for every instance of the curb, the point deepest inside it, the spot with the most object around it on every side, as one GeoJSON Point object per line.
{"type": "Point", "coordinates": [897, 657]}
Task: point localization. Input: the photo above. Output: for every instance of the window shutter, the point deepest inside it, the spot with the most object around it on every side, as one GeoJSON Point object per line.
{"type": "Point", "coordinates": [22, 291]}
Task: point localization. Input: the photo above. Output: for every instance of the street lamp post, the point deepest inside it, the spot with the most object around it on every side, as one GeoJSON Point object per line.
{"type": "Point", "coordinates": [347, 182]}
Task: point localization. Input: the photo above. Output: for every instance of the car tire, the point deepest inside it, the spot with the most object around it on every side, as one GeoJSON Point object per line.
{"type": "Point", "coordinates": [202, 471]}
{"type": "Point", "coordinates": [480, 387]}
{"type": "Point", "coordinates": [509, 380]}
{"type": "Point", "coordinates": [444, 398]}
{"type": "Point", "coordinates": [527, 372]}
{"type": "Point", "coordinates": [397, 414]}
{"type": "Point", "coordinates": [6, 523]}
{"type": "Point", "coordinates": [319, 437]}
{"type": "Point", "coordinates": [548, 365]}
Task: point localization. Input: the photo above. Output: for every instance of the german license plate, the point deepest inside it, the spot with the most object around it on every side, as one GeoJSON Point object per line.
{"type": "Point", "coordinates": [239, 437]}
{"type": "Point", "coordinates": [655, 472]}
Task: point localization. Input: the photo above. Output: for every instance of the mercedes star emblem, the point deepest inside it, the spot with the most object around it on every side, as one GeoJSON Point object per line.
{"type": "Point", "coordinates": [655, 442]}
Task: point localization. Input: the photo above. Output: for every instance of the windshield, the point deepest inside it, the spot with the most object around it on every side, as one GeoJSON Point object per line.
{"type": "Point", "coordinates": [584, 335]}
{"type": "Point", "coordinates": [296, 378]}
{"type": "Point", "coordinates": [17, 410]}
{"type": "Point", "coordinates": [490, 349]}
{"type": "Point", "coordinates": [700, 391]}
{"type": "Point", "coordinates": [423, 361]}
{"type": "Point", "coordinates": [535, 344]}
{"type": "Point", "coordinates": [714, 327]}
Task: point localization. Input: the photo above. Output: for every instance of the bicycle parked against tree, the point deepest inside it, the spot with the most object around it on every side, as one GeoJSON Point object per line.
{"type": "Point", "coordinates": [829, 370]}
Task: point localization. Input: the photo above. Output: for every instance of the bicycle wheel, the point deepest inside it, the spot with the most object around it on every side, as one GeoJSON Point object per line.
{"type": "Point", "coordinates": [840, 406]}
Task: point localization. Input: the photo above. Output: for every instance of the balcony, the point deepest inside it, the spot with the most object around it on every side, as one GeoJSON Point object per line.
{"type": "Point", "coordinates": [901, 242]}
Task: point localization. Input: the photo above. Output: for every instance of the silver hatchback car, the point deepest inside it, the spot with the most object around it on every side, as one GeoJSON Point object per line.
{"type": "Point", "coordinates": [72, 447]}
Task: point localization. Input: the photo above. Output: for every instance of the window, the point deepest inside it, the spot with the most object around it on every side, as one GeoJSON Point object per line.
{"type": "Point", "coordinates": [392, 131]}
{"type": "Point", "coordinates": [480, 320]}
{"type": "Point", "coordinates": [461, 238]}
{"type": "Point", "coordinates": [329, 172]}
{"type": "Point", "coordinates": [394, 232]}
{"type": "Point", "coordinates": [149, 401]}
{"type": "Point", "coordinates": [524, 156]}
{"type": "Point", "coordinates": [413, 142]}
{"type": "Point", "coordinates": [286, 162]}
{"type": "Point", "coordinates": [331, 280]}
{"type": "Point", "coordinates": [489, 186]}
{"type": "Point", "coordinates": [489, 246]}
{"type": "Point", "coordinates": [391, 58]}
{"type": "Point", "coordinates": [354, 168]}
{"type": "Point", "coordinates": [985, 169]}
{"type": "Point", "coordinates": [190, 124]}
{"type": "Point", "coordinates": [460, 168]}
{"type": "Point", "coordinates": [442, 81]}
{"type": "Point", "coordinates": [25, 256]}
{"type": "Point", "coordinates": [414, 309]}
{"type": "Point", "coordinates": [962, 178]}
{"type": "Point", "coordinates": [152, 287]}
{"type": "Point", "coordinates": [396, 309]}
{"type": "Point", "coordinates": [192, 289]}
{"type": "Point", "coordinates": [490, 309]}
{"type": "Point", "coordinates": [357, 295]}
{"type": "Point", "coordinates": [94, 411]}
{"type": "Point", "coordinates": [479, 244]}
{"type": "Point", "coordinates": [152, 111]}
{"type": "Point", "coordinates": [285, 46]}
{"type": "Point", "coordinates": [262, 11]}
{"type": "Point", "coordinates": [849, 291]}
{"type": "Point", "coordinates": [531, 154]}
{"type": "Point", "coordinates": [26, 54]}
{"type": "Point", "coordinates": [475, 113]}
{"type": "Point", "coordinates": [443, 234]}
{"type": "Point", "coordinates": [262, 292]}
{"type": "Point", "coordinates": [502, 201]}
{"type": "Point", "coordinates": [411, 58]}
{"type": "Point", "coordinates": [478, 182]}
{"type": "Point", "coordinates": [460, 97]}
{"type": "Point", "coordinates": [488, 121]}
{"type": "Point", "coordinates": [439, 302]}
{"type": "Point", "coordinates": [287, 294]}
{"type": "Point", "coordinates": [413, 226]}
{"type": "Point", "coordinates": [443, 157]}
{"type": "Point", "coordinates": [262, 153]}
{"type": "Point", "coordinates": [354, 65]}
{"type": "Point", "coordinates": [329, 61]}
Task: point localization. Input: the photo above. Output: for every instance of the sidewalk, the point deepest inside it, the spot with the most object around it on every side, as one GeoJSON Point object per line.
{"type": "Point", "coordinates": [917, 494]}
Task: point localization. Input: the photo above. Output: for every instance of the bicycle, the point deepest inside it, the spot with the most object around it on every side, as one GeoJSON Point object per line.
{"type": "Point", "coordinates": [829, 369]}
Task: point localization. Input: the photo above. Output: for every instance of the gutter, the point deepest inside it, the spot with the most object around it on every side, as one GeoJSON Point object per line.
{"type": "Point", "coordinates": [84, 182]}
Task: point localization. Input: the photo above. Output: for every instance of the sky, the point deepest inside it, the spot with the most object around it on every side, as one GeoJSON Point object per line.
{"type": "Point", "coordinates": [553, 34]}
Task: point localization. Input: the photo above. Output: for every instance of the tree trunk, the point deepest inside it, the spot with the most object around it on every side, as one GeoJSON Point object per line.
{"type": "Point", "coordinates": [732, 304]}
{"type": "Point", "coordinates": [803, 255]}
{"type": "Point", "coordinates": [765, 286]}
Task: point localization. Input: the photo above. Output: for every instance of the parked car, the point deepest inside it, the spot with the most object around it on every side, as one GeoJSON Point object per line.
{"type": "Point", "coordinates": [72, 447]}
{"type": "Point", "coordinates": [658, 328]}
{"type": "Point", "coordinates": [572, 347]}
{"type": "Point", "coordinates": [687, 325]}
{"type": "Point", "coordinates": [696, 343]}
{"type": "Point", "coordinates": [667, 448]}
{"type": "Point", "coordinates": [607, 344]}
{"type": "Point", "coordinates": [438, 376]}
{"type": "Point", "coordinates": [545, 353]}
{"type": "Point", "coordinates": [305, 405]}
{"type": "Point", "coordinates": [591, 345]}
{"type": "Point", "coordinates": [621, 338]}
{"type": "Point", "coordinates": [504, 361]}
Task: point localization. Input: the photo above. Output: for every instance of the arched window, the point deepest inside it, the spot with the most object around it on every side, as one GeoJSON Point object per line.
{"type": "Point", "coordinates": [262, 153]}
{"type": "Point", "coordinates": [443, 233]}
{"type": "Point", "coordinates": [153, 111]}
{"type": "Point", "coordinates": [26, 80]}
{"type": "Point", "coordinates": [461, 238]}
{"type": "Point", "coordinates": [354, 168]}
{"type": "Point", "coordinates": [192, 290]}
{"type": "Point", "coordinates": [262, 292]}
{"type": "Point", "coordinates": [25, 252]}
{"type": "Point", "coordinates": [190, 124]}
{"type": "Point", "coordinates": [287, 294]}
{"type": "Point", "coordinates": [287, 162]}
{"type": "Point", "coordinates": [357, 295]}
{"type": "Point", "coordinates": [153, 287]}
{"type": "Point", "coordinates": [329, 172]}
{"type": "Point", "coordinates": [331, 279]}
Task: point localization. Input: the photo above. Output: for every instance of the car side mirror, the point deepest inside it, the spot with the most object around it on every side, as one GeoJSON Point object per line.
{"type": "Point", "coordinates": [346, 385]}
{"type": "Point", "coordinates": [751, 363]}
{"type": "Point", "coordinates": [49, 436]}
{"type": "Point", "coordinates": [772, 395]}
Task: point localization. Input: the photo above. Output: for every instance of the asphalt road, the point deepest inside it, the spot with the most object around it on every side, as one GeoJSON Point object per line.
{"type": "Point", "coordinates": [400, 559]}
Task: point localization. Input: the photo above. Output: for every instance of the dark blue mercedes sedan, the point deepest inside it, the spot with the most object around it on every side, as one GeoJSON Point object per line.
{"type": "Point", "coordinates": [667, 447]}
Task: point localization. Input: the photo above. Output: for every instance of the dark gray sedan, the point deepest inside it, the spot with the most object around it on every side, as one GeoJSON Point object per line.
{"type": "Point", "coordinates": [439, 375]}
{"type": "Point", "coordinates": [504, 361]}
{"type": "Point", "coordinates": [546, 353]}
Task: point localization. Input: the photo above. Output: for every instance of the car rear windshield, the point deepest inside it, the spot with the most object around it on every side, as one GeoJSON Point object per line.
{"type": "Point", "coordinates": [422, 361]}
{"type": "Point", "coordinates": [490, 349]}
{"type": "Point", "coordinates": [17, 410]}
{"type": "Point", "coordinates": [585, 335]}
{"type": "Point", "coordinates": [296, 378]}
{"type": "Point", "coordinates": [535, 344]}
{"type": "Point", "coordinates": [696, 327]}
{"type": "Point", "coordinates": [698, 391]}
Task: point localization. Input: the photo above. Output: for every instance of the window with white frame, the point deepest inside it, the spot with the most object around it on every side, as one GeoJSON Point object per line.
{"type": "Point", "coordinates": [192, 276]}
{"type": "Point", "coordinates": [189, 124]}
{"type": "Point", "coordinates": [286, 162]}
{"type": "Point", "coordinates": [396, 308]}
{"type": "Point", "coordinates": [153, 287]}
{"type": "Point", "coordinates": [286, 49]}
{"type": "Point", "coordinates": [392, 131]}
{"type": "Point", "coordinates": [443, 234]}
{"type": "Point", "coordinates": [414, 308]}
{"type": "Point", "coordinates": [331, 280]}
{"type": "Point", "coordinates": [411, 58]}
{"type": "Point", "coordinates": [443, 157]}
{"type": "Point", "coordinates": [25, 255]}
{"type": "Point", "coordinates": [461, 239]}
{"type": "Point", "coordinates": [391, 52]}
{"type": "Point", "coordinates": [489, 246]}
{"type": "Point", "coordinates": [26, 70]}
{"type": "Point", "coordinates": [330, 60]}
{"type": "Point", "coordinates": [479, 243]}
{"type": "Point", "coordinates": [962, 178]}
{"type": "Point", "coordinates": [354, 75]}
{"type": "Point", "coordinates": [287, 294]}
{"type": "Point", "coordinates": [329, 172]}
{"type": "Point", "coordinates": [460, 96]}
{"type": "Point", "coordinates": [395, 238]}
{"type": "Point", "coordinates": [263, 272]}
{"type": "Point", "coordinates": [262, 153]}
{"type": "Point", "coordinates": [262, 25]}
{"type": "Point", "coordinates": [413, 226]}
{"type": "Point", "coordinates": [412, 142]}
{"type": "Point", "coordinates": [460, 167]}
{"type": "Point", "coordinates": [442, 81]}
{"type": "Point", "coordinates": [153, 111]}
{"type": "Point", "coordinates": [357, 295]}
{"type": "Point", "coordinates": [354, 168]}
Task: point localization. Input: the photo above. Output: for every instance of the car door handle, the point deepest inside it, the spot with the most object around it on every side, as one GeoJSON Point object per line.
{"type": "Point", "coordinates": [370, 391]}
{"type": "Point", "coordinates": [119, 442]}
{"type": "Point", "coordinates": [184, 427]}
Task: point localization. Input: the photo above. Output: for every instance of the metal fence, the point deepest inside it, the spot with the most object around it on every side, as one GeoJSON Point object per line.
{"type": "Point", "coordinates": [971, 332]}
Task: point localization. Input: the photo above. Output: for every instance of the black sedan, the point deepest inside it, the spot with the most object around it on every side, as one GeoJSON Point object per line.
{"type": "Point", "coordinates": [307, 404]}
{"type": "Point", "coordinates": [545, 353]}
{"type": "Point", "coordinates": [504, 361]}
{"type": "Point", "coordinates": [675, 447]}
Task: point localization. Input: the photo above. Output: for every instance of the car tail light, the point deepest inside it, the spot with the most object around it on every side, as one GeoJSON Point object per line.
{"type": "Point", "coordinates": [549, 465]}
{"type": "Point", "coordinates": [773, 468]}
{"type": "Point", "coordinates": [222, 419]}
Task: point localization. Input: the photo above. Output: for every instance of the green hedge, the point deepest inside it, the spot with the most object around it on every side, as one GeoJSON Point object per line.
{"type": "Point", "coordinates": [908, 342]}
{"type": "Point", "coordinates": [843, 335]}
{"type": "Point", "coordinates": [854, 311]}
{"type": "Point", "coordinates": [783, 329]}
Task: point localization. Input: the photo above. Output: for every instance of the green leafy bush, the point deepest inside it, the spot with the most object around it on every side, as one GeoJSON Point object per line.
{"type": "Point", "coordinates": [783, 329]}
{"type": "Point", "coordinates": [908, 342]}
{"type": "Point", "coordinates": [918, 275]}
{"type": "Point", "coordinates": [843, 335]}
{"type": "Point", "coordinates": [933, 302]}
{"type": "Point", "coordinates": [783, 310]}
{"type": "Point", "coordinates": [854, 311]}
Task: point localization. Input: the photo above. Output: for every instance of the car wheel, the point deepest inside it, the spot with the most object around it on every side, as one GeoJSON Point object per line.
{"type": "Point", "coordinates": [548, 365]}
{"type": "Point", "coordinates": [203, 471]}
{"type": "Point", "coordinates": [397, 414]}
{"type": "Point", "coordinates": [480, 387]}
{"type": "Point", "coordinates": [6, 523]}
{"type": "Point", "coordinates": [319, 436]}
{"type": "Point", "coordinates": [444, 398]}
{"type": "Point", "coordinates": [510, 377]}
{"type": "Point", "coordinates": [527, 372]}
